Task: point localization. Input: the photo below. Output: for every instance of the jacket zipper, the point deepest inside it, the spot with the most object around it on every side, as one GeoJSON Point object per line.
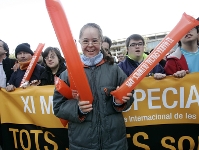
{"type": "Point", "coordinates": [98, 113]}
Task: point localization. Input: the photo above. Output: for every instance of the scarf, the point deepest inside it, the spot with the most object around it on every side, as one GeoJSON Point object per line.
{"type": "Point", "coordinates": [144, 57]}
{"type": "Point", "coordinates": [24, 65]}
{"type": "Point", "coordinates": [93, 60]}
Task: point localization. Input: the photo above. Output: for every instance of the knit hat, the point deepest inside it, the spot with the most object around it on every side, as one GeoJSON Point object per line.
{"type": "Point", "coordinates": [25, 47]}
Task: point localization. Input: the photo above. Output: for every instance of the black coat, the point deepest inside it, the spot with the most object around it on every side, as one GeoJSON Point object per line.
{"type": "Point", "coordinates": [7, 67]}
{"type": "Point", "coordinates": [103, 128]}
{"type": "Point", "coordinates": [18, 75]}
{"type": "Point", "coordinates": [47, 77]}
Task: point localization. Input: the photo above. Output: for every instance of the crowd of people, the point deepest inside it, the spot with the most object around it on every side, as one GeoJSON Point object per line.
{"type": "Point", "coordinates": [102, 121]}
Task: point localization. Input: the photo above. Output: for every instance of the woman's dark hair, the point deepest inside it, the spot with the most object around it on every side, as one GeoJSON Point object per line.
{"type": "Point", "coordinates": [93, 25]}
{"type": "Point", "coordinates": [57, 52]}
{"type": "Point", "coordinates": [109, 53]}
{"type": "Point", "coordinates": [108, 58]}
{"type": "Point", "coordinates": [108, 40]}
{"type": "Point", "coordinates": [6, 48]}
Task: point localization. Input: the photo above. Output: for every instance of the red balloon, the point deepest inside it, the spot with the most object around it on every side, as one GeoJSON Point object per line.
{"type": "Point", "coordinates": [72, 83]}
{"type": "Point", "coordinates": [63, 88]}
{"type": "Point", "coordinates": [69, 49]}
{"type": "Point", "coordinates": [184, 25]}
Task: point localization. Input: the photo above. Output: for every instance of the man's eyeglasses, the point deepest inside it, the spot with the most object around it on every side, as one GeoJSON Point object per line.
{"type": "Point", "coordinates": [94, 42]}
{"type": "Point", "coordinates": [136, 44]}
{"type": "Point", "coordinates": [49, 57]}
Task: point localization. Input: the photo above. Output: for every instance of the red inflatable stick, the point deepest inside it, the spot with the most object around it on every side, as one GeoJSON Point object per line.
{"type": "Point", "coordinates": [72, 83]}
{"type": "Point", "coordinates": [184, 25]}
{"type": "Point", "coordinates": [66, 41]}
{"type": "Point", "coordinates": [63, 88]}
{"type": "Point", "coordinates": [32, 65]}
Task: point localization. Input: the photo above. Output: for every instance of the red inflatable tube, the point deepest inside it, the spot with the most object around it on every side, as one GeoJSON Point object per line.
{"type": "Point", "coordinates": [72, 83]}
{"type": "Point", "coordinates": [32, 64]}
{"type": "Point", "coordinates": [69, 49]}
{"type": "Point", "coordinates": [184, 25]}
{"type": "Point", "coordinates": [63, 88]}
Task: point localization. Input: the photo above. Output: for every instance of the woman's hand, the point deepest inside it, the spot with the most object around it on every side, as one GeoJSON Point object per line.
{"type": "Point", "coordinates": [181, 73]}
{"type": "Point", "coordinates": [159, 76]}
{"type": "Point", "coordinates": [10, 88]}
{"type": "Point", "coordinates": [124, 98]}
{"type": "Point", "coordinates": [84, 106]}
{"type": "Point", "coordinates": [15, 67]}
{"type": "Point", "coordinates": [35, 82]}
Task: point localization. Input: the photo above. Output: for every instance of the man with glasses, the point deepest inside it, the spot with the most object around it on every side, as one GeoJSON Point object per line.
{"type": "Point", "coordinates": [23, 53]}
{"type": "Point", "coordinates": [135, 56]}
{"type": "Point", "coordinates": [186, 57]}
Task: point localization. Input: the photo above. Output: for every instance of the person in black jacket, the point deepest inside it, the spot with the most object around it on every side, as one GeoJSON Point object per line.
{"type": "Point", "coordinates": [54, 65]}
{"type": "Point", "coordinates": [6, 64]}
{"type": "Point", "coordinates": [23, 53]}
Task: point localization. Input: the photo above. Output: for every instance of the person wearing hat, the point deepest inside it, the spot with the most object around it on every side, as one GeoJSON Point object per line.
{"type": "Point", "coordinates": [23, 53]}
{"type": "Point", "coordinates": [6, 64]}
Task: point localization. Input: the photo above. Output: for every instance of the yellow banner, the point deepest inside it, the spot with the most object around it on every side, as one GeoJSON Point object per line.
{"type": "Point", "coordinates": [168, 101]}
{"type": "Point", "coordinates": [33, 105]}
{"type": "Point", "coordinates": [163, 115]}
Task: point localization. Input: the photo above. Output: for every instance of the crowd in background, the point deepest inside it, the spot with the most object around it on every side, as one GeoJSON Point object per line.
{"type": "Point", "coordinates": [102, 70]}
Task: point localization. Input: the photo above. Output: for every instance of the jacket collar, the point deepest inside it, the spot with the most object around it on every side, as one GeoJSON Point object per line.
{"type": "Point", "coordinates": [100, 63]}
{"type": "Point", "coordinates": [177, 54]}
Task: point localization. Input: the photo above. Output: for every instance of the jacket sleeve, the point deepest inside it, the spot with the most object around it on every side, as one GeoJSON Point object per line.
{"type": "Point", "coordinates": [158, 69]}
{"type": "Point", "coordinates": [7, 66]}
{"type": "Point", "coordinates": [66, 108]}
{"type": "Point", "coordinates": [12, 79]}
{"type": "Point", "coordinates": [121, 78]}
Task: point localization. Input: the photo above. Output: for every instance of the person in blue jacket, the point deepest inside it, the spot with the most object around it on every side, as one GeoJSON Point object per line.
{"type": "Point", "coordinates": [135, 56]}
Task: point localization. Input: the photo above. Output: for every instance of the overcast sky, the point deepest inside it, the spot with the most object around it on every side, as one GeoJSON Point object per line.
{"type": "Point", "coordinates": [28, 20]}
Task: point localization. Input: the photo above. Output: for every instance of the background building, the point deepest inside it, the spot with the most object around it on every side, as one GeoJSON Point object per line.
{"type": "Point", "coordinates": [151, 40]}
